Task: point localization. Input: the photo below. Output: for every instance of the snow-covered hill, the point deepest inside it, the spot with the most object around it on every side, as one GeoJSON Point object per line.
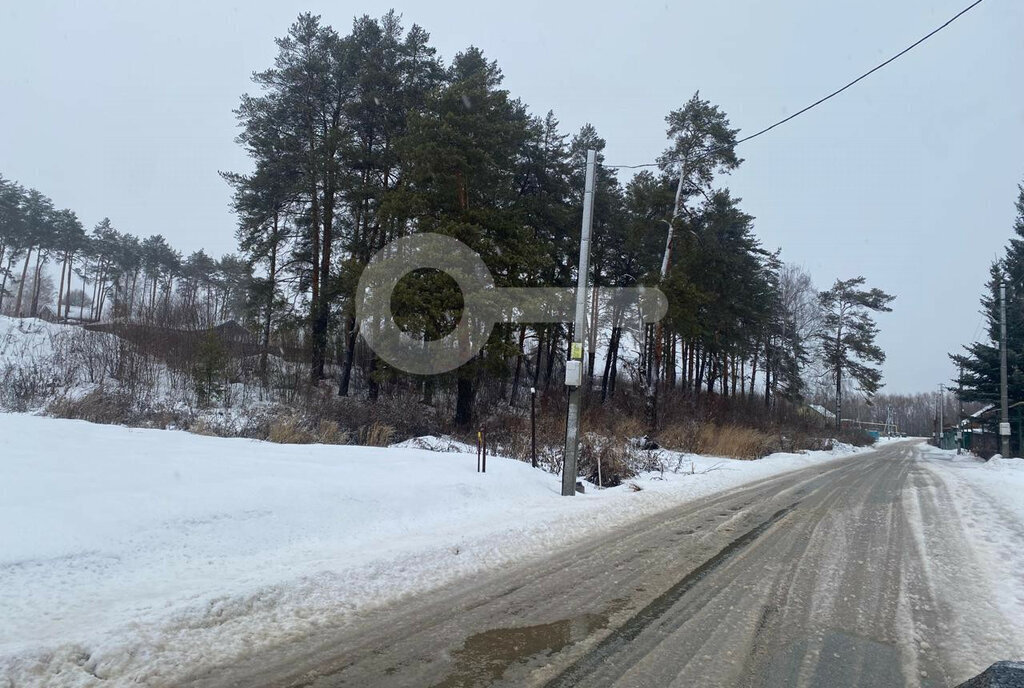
{"type": "Point", "coordinates": [42, 363]}
{"type": "Point", "coordinates": [129, 556]}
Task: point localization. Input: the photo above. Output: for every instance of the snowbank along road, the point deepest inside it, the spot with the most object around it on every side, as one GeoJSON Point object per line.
{"type": "Point", "coordinates": [853, 573]}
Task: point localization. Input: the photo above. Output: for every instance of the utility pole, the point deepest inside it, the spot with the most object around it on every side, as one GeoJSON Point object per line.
{"type": "Point", "coordinates": [960, 412]}
{"type": "Point", "coordinates": [574, 365]}
{"type": "Point", "coordinates": [941, 435]}
{"type": "Point", "coordinates": [1004, 415]}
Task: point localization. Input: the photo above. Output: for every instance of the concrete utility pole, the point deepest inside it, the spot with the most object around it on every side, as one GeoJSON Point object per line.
{"type": "Point", "coordinates": [574, 365]}
{"type": "Point", "coordinates": [960, 412]}
{"type": "Point", "coordinates": [1004, 416]}
{"type": "Point", "coordinates": [941, 436]}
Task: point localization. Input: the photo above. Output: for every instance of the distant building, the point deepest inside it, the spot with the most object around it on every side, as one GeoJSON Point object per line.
{"type": "Point", "coordinates": [821, 410]}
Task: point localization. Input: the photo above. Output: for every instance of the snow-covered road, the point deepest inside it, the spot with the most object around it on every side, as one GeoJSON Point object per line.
{"type": "Point", "coordinates": [133, 555]}
{"type": "Point", "coordinates": [851, 574]}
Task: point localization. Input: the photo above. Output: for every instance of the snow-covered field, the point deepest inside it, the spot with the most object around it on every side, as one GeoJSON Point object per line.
{"type": "Point", "coordinates": [129, 556]}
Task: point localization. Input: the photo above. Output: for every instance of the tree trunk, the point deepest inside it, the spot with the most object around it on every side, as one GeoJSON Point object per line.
{"type": "Point", "coordinates": [464, 398]}
{"type": "Point", "coordinates": [372, 385]}
{"type": "Point", "coordinates": [537, 359]}
{"type": "Point", "coordinates": [553, 333]}
{"type": "Point", "coordinates": [3, 284]}
{"type": "Point", "coordinates": [614, 377]}
{"type": "Point", "coordinates": [131, 295]}
{"type": "Point", "coordinates": [519, 365]}
{"type": "Point", "coordinates": [351, 337]}
{"type": "Point", "coordinates": [753, 369]}
{"type": "Point", "coordinates": [839, 398]}
{"type": "Point", "coordinates": [67, 296]}
{"type": "Point", "coordinates": [323, 308]}
{"type": "Point", "coordinates": [733, 373]}
{"type": "Point", "coordinates": [610, 362]}
{"type": "Point", "coordinates": [21, 285]}
{"type": "Point", "coordinates": [268, 318]}
{"type": "Point", "coordinates": [316, 353]}
{"type": "Point", "coordinates": [34, 308]}
{"type": "Point", "coordinates": [743, 379]}
{"type": "Point", "coordinates": [60, 290]}
{"type": "Point", "coordinates": [167, 296]}
{"type": "Point", "coordinates": [592, 336]}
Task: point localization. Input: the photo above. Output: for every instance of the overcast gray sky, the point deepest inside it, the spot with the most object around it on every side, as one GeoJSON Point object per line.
{"type": "Point", "coordinates": [123, 109]}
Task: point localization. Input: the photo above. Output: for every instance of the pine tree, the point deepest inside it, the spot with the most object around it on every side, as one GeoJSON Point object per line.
{"type": "Point", "coordinates": [703, 145]}
{"type": "Point", "coordinates": [463, 152]}
{"type": "Point", "coordinates": [394, 73]}
{"type": "Point", "coordinates": [70, 239]}
{"type": "Point", "coordinates": [848, 336]}
{"type": "Point", "coordinates": [38, 214]}
{"type": "Point", "coordinates": [13, 229]}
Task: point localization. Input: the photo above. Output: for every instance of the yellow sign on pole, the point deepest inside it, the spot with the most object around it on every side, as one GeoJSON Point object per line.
{"type": "Point", "coordinates": [577, 351]}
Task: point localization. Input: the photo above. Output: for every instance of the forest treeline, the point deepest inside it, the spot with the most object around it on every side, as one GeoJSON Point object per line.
{"type": "Point", "coordinates": [359, 138]}
{"type": "Point", "coordinates": [106, 273]}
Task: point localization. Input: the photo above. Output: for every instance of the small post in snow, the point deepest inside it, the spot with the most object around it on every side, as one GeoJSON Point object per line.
{"type": "Point", "coordinates": [533, 426]}
{"type": "Point", "coordinates": [481, 450]}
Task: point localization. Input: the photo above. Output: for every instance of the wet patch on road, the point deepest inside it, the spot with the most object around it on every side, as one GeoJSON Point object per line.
{"type": "Point", "coordinates": [485, 657]}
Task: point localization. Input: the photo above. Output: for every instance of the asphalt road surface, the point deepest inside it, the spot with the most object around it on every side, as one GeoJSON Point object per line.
{"type": "Point", "coordinates": [812, 578]}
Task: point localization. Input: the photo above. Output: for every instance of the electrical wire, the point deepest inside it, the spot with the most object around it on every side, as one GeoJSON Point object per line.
{"type": "Point", "coordinates": [837, 91]}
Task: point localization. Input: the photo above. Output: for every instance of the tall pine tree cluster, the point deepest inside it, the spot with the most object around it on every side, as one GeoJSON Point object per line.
{"type": "Point", "coordinates": [359, 139]}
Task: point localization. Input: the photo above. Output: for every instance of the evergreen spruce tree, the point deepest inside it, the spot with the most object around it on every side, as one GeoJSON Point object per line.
{"type": "Point", "coordinates": [980, 360]}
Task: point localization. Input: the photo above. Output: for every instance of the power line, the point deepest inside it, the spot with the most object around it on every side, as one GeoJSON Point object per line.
{"type": "Point", "coordinates": [630, 167]}
{"type": "Point", "coordinates": [839, 90]}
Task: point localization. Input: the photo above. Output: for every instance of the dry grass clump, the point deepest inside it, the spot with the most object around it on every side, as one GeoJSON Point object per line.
{"type": "Point", "coordinates": [730, 440]}
{"type": "Point", "coordinates": [377, 434]}
{"type": "Point", "coordinates": [98, 406]}
{"type": "Point", "coordinates": [329, 432]}
{"type": "Point", "coordinates": [733, 441]}
{"type": "Point", "coordinates": [628, 427]}
{"type": "Point", "coordinates": [293, 430]}
{"type": "Point", "coordinates": [680, 436]}
{"type": "Point", "coordinates": [289, 430]}
{"type": "Point", "coordinates": [204, 427]}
